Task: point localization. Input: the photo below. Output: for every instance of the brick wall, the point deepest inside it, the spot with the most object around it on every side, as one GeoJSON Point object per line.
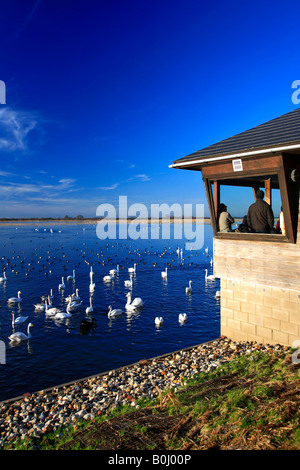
{"type": "Point", "coordinates": [262, 313]}
{"type": "Point", "coordinates": [259, 313]}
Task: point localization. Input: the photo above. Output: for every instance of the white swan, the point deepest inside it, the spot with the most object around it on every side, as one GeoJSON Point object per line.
{"type": "Point", "coordinates": [19, 336]}
{"type": "Point", "coordinates": [164, 274]}
{"type": "Point", "coordinates": [107, 278]}
{"type": "Point", "coordinates": [73, 297]}
{"type": "Point", "coordinates": [61, 315]}
{"type": "Point", "coordinates": [188, 289]}
{"type": "Point", "coordinates": [70, 277]}
{"type": "Point", "coordinates": [16, 321]}
{"type": "Point", "coordinates": [74, 305]}
{"type": "Point", "coordinates": [49, 296]}
{"type": "Point", "coordinates": [51, 311]}
{"type": "Point", "coordinates": [128, 283]}
{"type": "Point", "coordinates": [15, 300]}
{"type": "Point", "coordinates": [136, 303]}
{"type": "Point", "coordinates": [62, 285]}
{"type": "Point", "coordinates": [159, 321]}
{"type": "Point", "coordinates": [182, 317]}
{"type": "Point", "coordinates": [39, 307]}
{"type": "Point", "coordinates": [92, 285]}
{"type": "Point", "coordinates": [218, 294]}
{"type": "Point", "coordinates": [211, 277]}
{"type": "Point", "coordinates": [132, 270]}
{"type": "Point", "coordinates": [114, 313]}
{"type": "Point", "coordinates": [4, 278]}
{"type": "Point", "coordinates": [90, 308]}
{"type": "Point", "coordinates": [112, 272]}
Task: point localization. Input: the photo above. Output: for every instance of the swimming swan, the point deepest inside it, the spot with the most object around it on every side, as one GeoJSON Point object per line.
{"type": "Point", "coordinates": [74, 305]}
{"type": "Point", "coordinates": [4, 278]}
{"type": "Point", "coordinates": [71, 277]}
{"type": "Point", "coordinates": [132, 270]}
{"type": "Point", "coordinates": [90, 308]}
{"type": "Point", "coordinates": [45, 297]}
{"type": "Point", "coordinates": [61, 315]}
{"type": "Point", "coordinates": [114, 313]}
{"type": "Point", "coordinates": [17, 320]}
{"type": "Point", "coordinates": [164, 274]}
{"type": "Point", "coordinates": [15, 300]}
{"type": "Point", "coordinates": [73, 297]}
{"type": "Point", "coordinates": [92, 285]}
{"type": "Point", "coordinates": [159, 321]}
{"type": "Point", "coordinates": [188, 289]}
{"type": "Point", "coordinates": [19, 336]}
{"type": "Point", "coordinates": [128, 283]}
{"type": "Point", "coordinates": [137, 302]}
{"type": "Point", "coordinates": [211, 277]}
{"type": "Point", "coordinates": [39, 306]}
{"type": "Point", "coordinates": [51, 311]}
{"type": "Point", "coordinates": [182, 317]}
{"type": "Point", "coordinates": [112, 272]}
{"type": "Point", "coordinates": [62, 285]}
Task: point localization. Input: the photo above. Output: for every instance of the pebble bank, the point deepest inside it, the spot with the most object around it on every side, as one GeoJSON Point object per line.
{"type": "Point", "coordinates": [48, 410]}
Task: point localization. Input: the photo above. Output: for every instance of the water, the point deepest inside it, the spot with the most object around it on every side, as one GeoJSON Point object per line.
{"type": "Point", "coordinates": [35, 259]}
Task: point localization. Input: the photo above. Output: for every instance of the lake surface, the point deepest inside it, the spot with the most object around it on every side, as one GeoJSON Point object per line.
{"type": "Point", "coordinates": [36, 256]}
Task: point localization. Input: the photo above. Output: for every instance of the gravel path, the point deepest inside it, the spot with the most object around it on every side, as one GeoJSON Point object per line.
{"type": "Point", "coordinates": [47, 410]}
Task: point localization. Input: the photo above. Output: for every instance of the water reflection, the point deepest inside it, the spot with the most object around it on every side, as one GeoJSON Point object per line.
{"type": "Point", "coordinates": [36, 260]}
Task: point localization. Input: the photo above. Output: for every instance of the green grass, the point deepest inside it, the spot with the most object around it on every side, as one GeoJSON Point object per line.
{"type": "Point", "coordinates": [239, 405]}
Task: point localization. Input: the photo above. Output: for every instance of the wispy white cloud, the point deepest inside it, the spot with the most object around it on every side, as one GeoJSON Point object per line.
{"type": "Point", "coordinates": [15, 127]}
{"type": "Point", "coordinates": [109, 188]}
{"type": "Point", "coordinates": [142, 177]}
{"type": "Point", "coordinates": [6, 174]}
{"type": "Point", "coordinates": [66, 182]}
{"type": "Point", "coordinates": [13, 189]}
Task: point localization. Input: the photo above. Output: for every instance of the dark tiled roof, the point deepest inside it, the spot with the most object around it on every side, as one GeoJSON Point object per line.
{"type": "Point", "coordinates": [282, 130]}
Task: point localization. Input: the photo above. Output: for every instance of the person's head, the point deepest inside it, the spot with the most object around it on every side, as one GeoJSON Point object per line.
{"type": "Point", "coordinates": [222, 208]}
{"type": "Point", "coordinates": [259, 194]}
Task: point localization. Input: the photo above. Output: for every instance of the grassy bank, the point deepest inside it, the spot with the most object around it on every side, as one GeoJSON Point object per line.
{"type": "Point", "coordinates": [250, 403]}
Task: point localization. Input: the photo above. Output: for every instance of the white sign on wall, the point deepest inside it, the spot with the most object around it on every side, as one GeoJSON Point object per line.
{"type": "Point", "coordinates": [237, 165]}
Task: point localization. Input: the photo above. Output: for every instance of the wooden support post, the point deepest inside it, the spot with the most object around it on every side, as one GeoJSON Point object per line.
{"type": "Point", "coordinates": [268, 192]}
{"type": "Point", "coordinates": [216, 196]}
{"type": "Point", "coordinates": [216, 201]}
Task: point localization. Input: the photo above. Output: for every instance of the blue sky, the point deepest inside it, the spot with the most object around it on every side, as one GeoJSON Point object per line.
{"type": "Point", "coordinates": [102, 96]}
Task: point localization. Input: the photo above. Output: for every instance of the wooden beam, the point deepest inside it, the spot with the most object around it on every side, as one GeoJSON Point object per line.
{"type": "Point", "coordinates": [210, 200]}
{"type": "Point", "coordinates": [268, 192]}
{"type": "Point", "coordinates": [216, 196]}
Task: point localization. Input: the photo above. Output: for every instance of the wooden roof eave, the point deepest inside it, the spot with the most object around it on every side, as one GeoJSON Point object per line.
{"type": "Point", "coordinates": [196, 163]}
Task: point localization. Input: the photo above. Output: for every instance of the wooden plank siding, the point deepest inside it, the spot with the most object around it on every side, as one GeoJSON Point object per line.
{"type": "Point", "coordinates": [249, 262]}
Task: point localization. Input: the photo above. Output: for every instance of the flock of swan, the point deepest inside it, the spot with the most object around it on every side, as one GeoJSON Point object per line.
{"type": "Point", "coordinates": [74, 302]}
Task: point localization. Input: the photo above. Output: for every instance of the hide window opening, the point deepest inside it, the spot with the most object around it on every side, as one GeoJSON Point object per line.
{"type": "Point", "coordinates": [237, 192]}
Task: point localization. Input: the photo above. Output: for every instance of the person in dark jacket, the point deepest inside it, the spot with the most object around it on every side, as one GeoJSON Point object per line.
{"type": "Point", "coordinates": [260, 216]}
